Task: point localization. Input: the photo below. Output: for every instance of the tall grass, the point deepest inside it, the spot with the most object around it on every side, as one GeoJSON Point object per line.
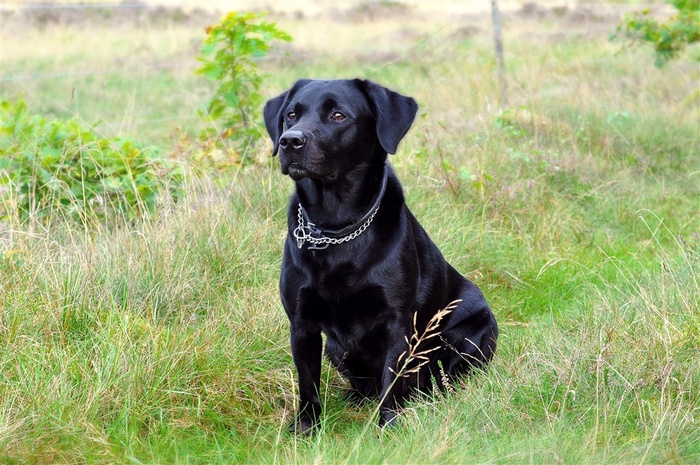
{"type": "Point", "coordinates": [575, 210]}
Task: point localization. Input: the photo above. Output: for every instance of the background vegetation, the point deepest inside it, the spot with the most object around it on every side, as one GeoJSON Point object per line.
{"type": "Point", "coordinates": [161, 339]}
{"type": "Point", "coordinates": [668, 38]}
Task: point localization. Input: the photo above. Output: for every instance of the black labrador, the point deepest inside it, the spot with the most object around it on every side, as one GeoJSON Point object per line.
{"type": "Point", "coordinates": [357, 265]}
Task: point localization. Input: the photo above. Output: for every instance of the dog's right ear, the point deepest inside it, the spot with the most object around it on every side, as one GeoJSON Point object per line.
{"type": "Point", "coordinates": [272, 113]}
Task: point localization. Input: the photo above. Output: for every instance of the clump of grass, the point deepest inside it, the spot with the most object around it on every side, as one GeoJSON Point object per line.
{"type": "Point", "coordinates": [138, 332]}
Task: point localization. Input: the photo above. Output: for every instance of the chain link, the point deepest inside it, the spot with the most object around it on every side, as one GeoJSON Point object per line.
{"type": "Point", "coordinates": [303, 232]}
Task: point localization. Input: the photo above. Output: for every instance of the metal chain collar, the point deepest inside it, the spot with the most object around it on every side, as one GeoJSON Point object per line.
{"type": "Point", "coordinates": [309, 232]}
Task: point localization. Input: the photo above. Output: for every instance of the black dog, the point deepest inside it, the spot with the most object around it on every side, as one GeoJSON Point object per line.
{"type": "Point", "coordinates": [357, 265]}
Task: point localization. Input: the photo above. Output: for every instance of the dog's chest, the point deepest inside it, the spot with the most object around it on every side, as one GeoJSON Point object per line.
{"type": "Point", "coordinates": [351, 317]}
{"type": "Point", "coordinates": [348, 296]}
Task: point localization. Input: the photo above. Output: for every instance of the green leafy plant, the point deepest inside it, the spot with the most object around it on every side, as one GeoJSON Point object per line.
{"type": "Point", "coordinates": [60, 167]}
{"type": "Point", "coordinates": [228, 56]}
{"type": "Point", "coordinates": [668, 38]}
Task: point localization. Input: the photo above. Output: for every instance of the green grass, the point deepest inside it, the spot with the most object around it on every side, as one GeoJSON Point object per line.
{"type": "Point", "coordinates": [576, 209]}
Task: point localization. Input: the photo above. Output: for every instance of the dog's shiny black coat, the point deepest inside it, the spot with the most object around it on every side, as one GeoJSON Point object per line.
{"type": "Point", "coordinates": [333, 137]}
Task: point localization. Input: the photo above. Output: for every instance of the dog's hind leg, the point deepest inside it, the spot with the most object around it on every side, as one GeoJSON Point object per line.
{"type": "Point", "coordinates": [470, 339]}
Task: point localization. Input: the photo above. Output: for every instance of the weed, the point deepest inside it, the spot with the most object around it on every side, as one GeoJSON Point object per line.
{"type": "Point", "coordinates": [62, 168]}
{"type": "Point", "coordinates": [228, 57]}
{"type": "Point", "coordinates": [669, 38]}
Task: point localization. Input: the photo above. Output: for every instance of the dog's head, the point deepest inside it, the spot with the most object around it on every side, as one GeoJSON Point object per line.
{"type": "Point", "coordinates": [324, 128]}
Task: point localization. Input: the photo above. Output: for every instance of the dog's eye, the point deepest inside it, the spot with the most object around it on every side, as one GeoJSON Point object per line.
{"type": "Point", "coordinates": [337, 116]}
{"type": "Point", "coordinates": [292, 115]}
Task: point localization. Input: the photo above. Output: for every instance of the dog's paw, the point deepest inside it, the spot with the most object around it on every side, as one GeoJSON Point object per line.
{"type": "Point", "coordinates": [388, 418]}
{"type": "Point", "coordinates": [303, 426]}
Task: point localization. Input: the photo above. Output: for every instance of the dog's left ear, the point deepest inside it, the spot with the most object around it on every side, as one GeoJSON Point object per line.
{"type": "Point", "coordinates": [393, 112]}
{"type": "Point", "coordinates": [272, 113]}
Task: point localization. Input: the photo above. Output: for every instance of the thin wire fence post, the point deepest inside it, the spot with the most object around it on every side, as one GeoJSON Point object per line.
{"type": "Point", "coordinates": [502, 84]}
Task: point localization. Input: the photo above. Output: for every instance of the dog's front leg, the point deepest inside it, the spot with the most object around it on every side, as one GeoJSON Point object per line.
{"type": "Point", "coordinates": [395, 381]}
{"type": "Point", "coordinates": [306, 350]}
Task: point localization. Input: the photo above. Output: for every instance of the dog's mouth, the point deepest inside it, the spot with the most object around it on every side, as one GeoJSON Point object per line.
{"type": "Point", "coordinates": [296, 171]}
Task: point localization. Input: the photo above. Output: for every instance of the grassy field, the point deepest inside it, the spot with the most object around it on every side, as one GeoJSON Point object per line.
{"type": "Point", "coordinates": [576, 208]}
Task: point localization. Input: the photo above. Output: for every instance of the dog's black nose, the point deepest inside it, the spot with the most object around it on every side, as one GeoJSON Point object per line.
{"type": "Point", "coordinates": [292, 140]}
